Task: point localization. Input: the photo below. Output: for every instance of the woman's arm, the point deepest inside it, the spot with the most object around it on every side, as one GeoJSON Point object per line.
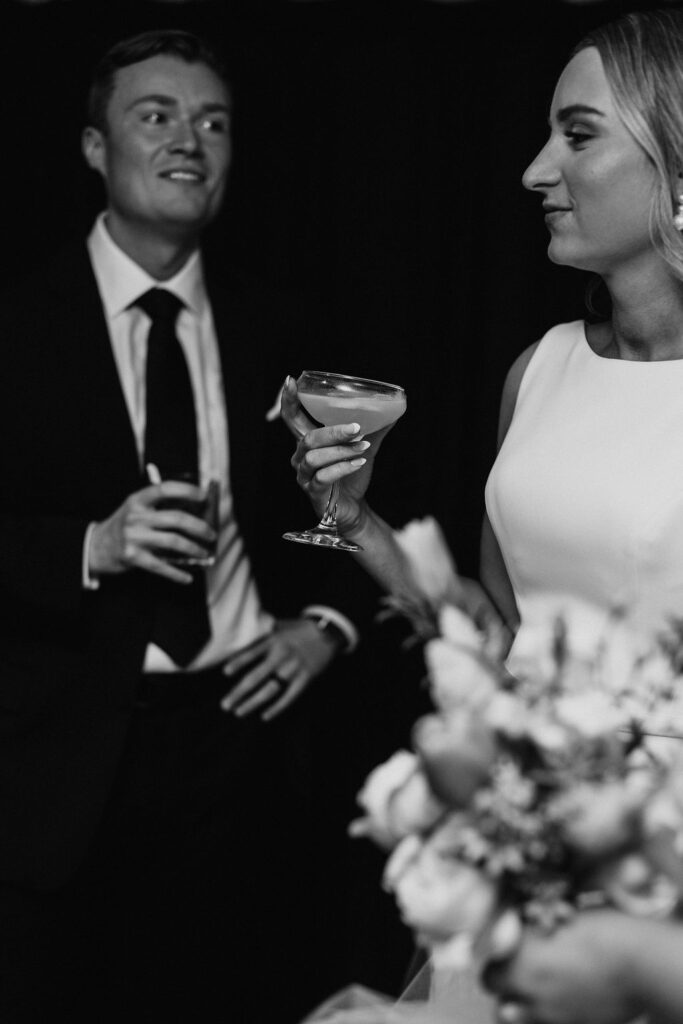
{"type": "Point", "coordinates": [327, 455]}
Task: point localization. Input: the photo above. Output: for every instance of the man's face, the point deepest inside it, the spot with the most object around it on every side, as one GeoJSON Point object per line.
{"type": "Point", "coordinates": [166, 153]}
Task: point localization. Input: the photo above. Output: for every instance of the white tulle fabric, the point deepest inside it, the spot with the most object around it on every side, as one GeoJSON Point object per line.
{"type": "Point", "coordinates": [433, 997]}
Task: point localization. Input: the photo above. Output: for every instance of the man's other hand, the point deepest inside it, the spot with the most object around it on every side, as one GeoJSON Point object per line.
{"type": "Point", "coordinates": [279, 668]}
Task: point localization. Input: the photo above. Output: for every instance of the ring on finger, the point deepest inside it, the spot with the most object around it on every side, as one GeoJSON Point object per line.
{"type": "Point", "coordinates": [280, 684]}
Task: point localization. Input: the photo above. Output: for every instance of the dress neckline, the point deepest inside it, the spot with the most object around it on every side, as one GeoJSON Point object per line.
{"type": "Point", "coordinates": [623, 362]}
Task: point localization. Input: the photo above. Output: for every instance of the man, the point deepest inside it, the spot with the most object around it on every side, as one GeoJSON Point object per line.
{"type": "Point", "coordinates": [149, 775]}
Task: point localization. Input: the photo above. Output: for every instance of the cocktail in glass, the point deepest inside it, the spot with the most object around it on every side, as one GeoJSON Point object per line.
{"type": "Point", "coordinates": [332, 398]}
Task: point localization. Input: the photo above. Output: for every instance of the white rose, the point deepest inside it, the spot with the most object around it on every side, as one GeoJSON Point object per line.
{"type": "Point", "coordinates": [581, 624]}
{"type": "Point", "coordinates": [600, 819]}
{"type": "Point", "coordinates": [532, 656]}
{"type": "Point", "coordinates": [590, 714]}
{"type": "Point", "coordinates": [401, 859]}
{"type": "Point", "coordinates": [547, 734]}
{"type": "Point", "coordinates": [458, 628]}
{"type": "Point", "coordinates": [414, 807]}
{"type": "Point", "coordinates": [397, 800]}
{"type": "Point", "coordinates": [458, 676]}
{"type": "Point", "coordinates": [627, 657]}
{"type": "Point", "coordinates": [507, 714]}
{"type": "Point", "coordinates": [457, 751]}
{"type": "Point", "coordinates": [440, 896]}
{"type": "Point", "coordinates": [637, 888]}
{"type": "Point", "coordinates": [430, 560]}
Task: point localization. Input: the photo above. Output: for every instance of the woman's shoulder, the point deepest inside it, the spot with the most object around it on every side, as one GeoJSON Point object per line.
{"type": "Point", "coordinates": [561, 334]}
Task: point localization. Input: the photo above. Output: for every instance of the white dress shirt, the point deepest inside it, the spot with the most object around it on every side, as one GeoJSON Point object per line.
{"type": "Point", "coordinates": [236, 614]}
{"type": "Point", "coordinates": [235, 611]}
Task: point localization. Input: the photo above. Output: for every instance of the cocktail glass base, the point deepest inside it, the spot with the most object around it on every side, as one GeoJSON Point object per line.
{"type": "Point", "coordinates": [322, 539]}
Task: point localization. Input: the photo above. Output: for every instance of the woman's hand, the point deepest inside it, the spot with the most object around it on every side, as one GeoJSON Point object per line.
{"type": "Point", "coordinates": [325, 455]}
{"type": "Point", "coordinates": [582, 973]}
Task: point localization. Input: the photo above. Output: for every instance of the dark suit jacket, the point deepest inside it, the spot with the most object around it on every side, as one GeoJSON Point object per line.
{"type": "Point", "coordinates": [70, 658]}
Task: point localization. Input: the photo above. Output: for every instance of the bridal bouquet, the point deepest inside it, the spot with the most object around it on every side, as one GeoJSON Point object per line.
{"type": "Point", "coordinates": [539, 785]}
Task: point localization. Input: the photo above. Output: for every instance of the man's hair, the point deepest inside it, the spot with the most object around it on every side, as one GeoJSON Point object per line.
{"type": "Point", "coordinates": [642, 55]}
{"type": "Point", "coordinates": [163, 42]}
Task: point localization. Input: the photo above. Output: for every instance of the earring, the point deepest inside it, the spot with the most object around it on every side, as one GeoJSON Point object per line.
{"type": "Point", "coordinates": [678, 217]}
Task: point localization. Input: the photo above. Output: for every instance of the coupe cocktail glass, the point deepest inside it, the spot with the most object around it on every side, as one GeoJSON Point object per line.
{"type": "Point", "coordinates": [332, 398]}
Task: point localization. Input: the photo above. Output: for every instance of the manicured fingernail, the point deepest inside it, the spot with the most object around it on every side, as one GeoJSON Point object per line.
{"type": "Point", "coordinates": [351, 428]}
{"type": "Point", "coordinates": [357, 462]}
{"type": "Point", "coordinates": [361, 446]}
{"type": "Point", "coordinates": [289, 383]}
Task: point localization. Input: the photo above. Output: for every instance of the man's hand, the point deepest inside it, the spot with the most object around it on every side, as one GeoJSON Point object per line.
{"type": "Point", "coordinates": [284, 663]}
{"type": "Point", "coordinates": [579, 974]}
{"type": "Point", "coordinates": [141, 534]}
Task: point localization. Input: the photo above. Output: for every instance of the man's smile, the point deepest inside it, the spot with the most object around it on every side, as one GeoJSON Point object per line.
{"type": "Point", "coordinates": [184, 174]}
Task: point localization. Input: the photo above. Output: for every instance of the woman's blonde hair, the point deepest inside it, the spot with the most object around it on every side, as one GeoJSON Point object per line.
{"type": "Point", "coordinates": [642, 54]}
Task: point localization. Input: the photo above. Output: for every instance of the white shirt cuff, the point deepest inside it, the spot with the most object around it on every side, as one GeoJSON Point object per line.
{"type": "Point", "coordinates": [89, 582]}
{"type": "Point", "coordinates": [322, 612]}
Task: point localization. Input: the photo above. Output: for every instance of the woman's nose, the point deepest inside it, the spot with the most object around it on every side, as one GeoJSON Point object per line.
{"type": "Point", "coordinates": [543, 170]}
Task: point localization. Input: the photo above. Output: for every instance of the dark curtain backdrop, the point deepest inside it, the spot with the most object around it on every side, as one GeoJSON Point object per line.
{"type": "Point", "coordinates": [378, 156]}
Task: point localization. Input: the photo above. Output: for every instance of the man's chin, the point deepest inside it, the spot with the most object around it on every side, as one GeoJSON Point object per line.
{"type": "Point", "coordinates": [186, 219]}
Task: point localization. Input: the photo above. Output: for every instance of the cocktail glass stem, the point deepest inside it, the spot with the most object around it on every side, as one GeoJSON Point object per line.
{"type": "Point", "coordinates": [329, 519]}
{"type": "Point", "coordinates": [325, 534]}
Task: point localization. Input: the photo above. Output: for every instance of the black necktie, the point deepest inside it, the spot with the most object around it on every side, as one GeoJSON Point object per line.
{"type": "Point", "coordinates": [181, 624]}
{"type": "Point", "coordinates": [170, 424]}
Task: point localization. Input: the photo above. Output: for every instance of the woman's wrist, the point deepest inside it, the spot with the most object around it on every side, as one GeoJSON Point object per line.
{"type": "Point", "coordinates": [363, 526]}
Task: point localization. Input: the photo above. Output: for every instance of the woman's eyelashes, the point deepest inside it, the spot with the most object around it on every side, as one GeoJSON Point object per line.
{"type": "Point", "coordinates": [577, 137]}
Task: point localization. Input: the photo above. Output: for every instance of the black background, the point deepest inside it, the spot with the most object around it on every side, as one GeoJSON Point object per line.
{"type": "Point", "coordinates": [378, 157]}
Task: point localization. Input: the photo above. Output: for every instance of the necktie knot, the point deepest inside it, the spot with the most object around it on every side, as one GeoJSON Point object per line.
{"type": "Point", "coordinates": [160, 305]}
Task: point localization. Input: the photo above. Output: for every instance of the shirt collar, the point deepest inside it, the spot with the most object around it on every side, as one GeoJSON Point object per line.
{"type": "Point", "coordinates": [121, 280]}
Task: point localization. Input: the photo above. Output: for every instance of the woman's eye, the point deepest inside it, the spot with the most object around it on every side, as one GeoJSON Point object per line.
{"type": "Point", "coordinates": [576, 137]}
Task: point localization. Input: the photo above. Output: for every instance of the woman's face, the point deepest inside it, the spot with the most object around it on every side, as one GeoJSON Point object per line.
{"type": "Point", "coordinates": [597, 183]}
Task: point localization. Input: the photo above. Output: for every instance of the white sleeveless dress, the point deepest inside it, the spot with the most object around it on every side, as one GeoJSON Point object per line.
{"type": "Point", "coordinates": [586, 501]}
{"type": "Point", "coordinates": [586, 495]}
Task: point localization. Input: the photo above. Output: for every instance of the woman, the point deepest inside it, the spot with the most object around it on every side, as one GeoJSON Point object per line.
{"type": "Point", "coordinates": [585, 498]}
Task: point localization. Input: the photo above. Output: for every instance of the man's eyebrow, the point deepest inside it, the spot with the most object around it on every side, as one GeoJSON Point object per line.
{"type": "Point", "coordinates": [162, 100]}
{"type": "Point", "coordinates": [566, 113]}
{"type": "Point", "coordinates": [152, 97]}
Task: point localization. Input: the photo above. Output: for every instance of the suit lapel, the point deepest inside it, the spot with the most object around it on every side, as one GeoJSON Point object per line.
{"type": "Point", "coordinates": [88, 357]}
